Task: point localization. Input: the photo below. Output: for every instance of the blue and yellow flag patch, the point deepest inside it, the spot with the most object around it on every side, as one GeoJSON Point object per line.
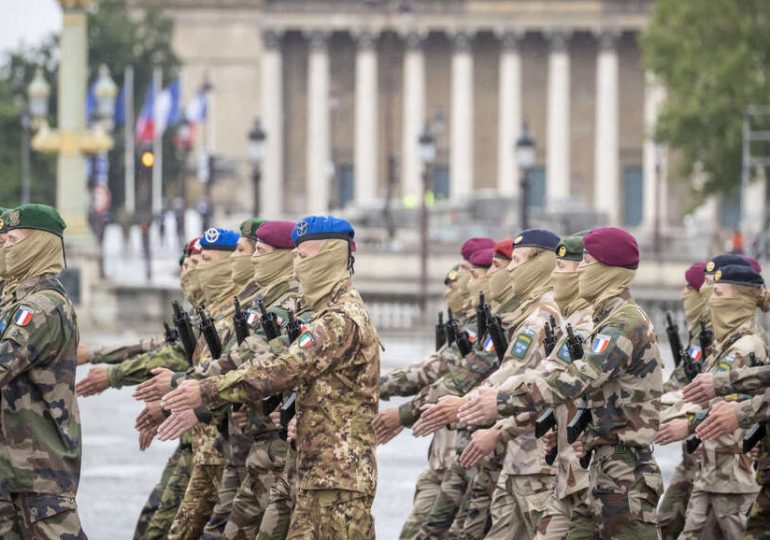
{"type": "Point", "coordinates": [522, 343]}
{"type": "Point", "coordinates": [563, 353]}
{"type": "Point", "coordinates": [726, 363]}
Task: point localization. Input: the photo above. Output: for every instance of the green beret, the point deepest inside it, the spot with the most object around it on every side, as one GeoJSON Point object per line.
{"type": "Point", "coordinates": [452, 275]}
{"type": "Point", "coordinates": [40, 217]}
{"type": "Point", "coordinates": [570, 248]}
{"type": "Point", "coordinates": [250, 226]}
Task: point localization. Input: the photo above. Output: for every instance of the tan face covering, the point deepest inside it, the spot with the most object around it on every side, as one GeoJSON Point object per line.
{"type": "Point", "coordinates": [695, 303]}
{"type": "Point", "coordinates": [2, 264]}
{"type": "Point", "coordinates": [500, 285]}
{"type": "Point", "coordinates": [319, 274]}
{"type": "Point", "coordinates": [530, 276]}
{"type": "Point", "coordinates": [40, 253]}
{"type": "Point", "coordinates": [273, 267]}
{"type": "Point", "coordinates": [598, 282]}
{"type": "Point", "coordinates": [456, 298]}
{"type": "Point", "coordinates": [191, 287]}
{"type": "Point", "coordinates": [475, 286]}
{"type": "Point", "coordinates": [729, 314]}
{"type": "Point", "coordinates": [217, 282]}
{"type": "Point", "coordinates": [242, 270]}
{"type": "Point", "coordinates": [565, 288]}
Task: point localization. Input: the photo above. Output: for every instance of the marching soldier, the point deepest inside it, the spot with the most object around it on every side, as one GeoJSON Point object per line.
{"type": "Point", "coordinates": [41, 451]}
{"type": "Point", "coordinates": [621, 378]}
{"type": "Point", "coordinates": [335, 365]}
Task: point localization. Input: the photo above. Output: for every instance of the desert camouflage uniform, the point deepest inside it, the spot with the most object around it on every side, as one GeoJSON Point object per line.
{"type": "Point", "coordinates": [335, 366]}
{"type": "Point", "coordinates": [725, 485]}
{"type": "Point", "coordinates": [41, 447]}
{"type": "Point", "coordinates": [570, 487]}
{"type": "Point", "coordinates": [753, 381]}
{"type": "Point", "coordinates": [621, 375]}
{"type": "Point", "coordinates": [671, 513]}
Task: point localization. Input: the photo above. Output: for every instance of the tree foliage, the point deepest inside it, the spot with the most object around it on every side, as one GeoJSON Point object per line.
{"type": "Point", "coordinates": [713, 59]}
{"type": "Point", "coordinates": [117, 38]}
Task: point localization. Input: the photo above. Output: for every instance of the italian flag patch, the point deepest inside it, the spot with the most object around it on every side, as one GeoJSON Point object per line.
{"type": "Point", "coordinates": [23, 316]}
{"type": "Point", "coordinates": [306, 340]}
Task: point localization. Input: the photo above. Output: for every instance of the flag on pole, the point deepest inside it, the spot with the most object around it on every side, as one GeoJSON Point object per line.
{"type": "Point", "coordinates": [91, 101]}
{"type": "Point", "coordinates": [196, 109]}
{"type": "Point", "coordinates": [145, 123]}
{"type": "Point", "coordinates": [167, 109]}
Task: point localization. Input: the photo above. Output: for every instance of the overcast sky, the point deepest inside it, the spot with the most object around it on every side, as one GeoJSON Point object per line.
{"type": "Point", "coordinates": [27, 21]}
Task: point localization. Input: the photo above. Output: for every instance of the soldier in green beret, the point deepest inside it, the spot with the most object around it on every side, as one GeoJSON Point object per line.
{"type": "Point", "coordinates": [41, 451]}
{"type": "Point", "coordinates": [3, 237]}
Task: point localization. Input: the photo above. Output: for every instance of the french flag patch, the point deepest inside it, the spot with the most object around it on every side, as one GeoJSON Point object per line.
{"type": "Point", "coordinates": [489, 345]}
{"type": "Point", "coordinates": [23, 316]}
{"type": "Point", "coordinates": [251, 318]}
{"type": "Point", "coordinates": [600, 344]}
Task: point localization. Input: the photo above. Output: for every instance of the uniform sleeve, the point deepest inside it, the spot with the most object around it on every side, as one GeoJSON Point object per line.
{"type": "Point", "coordinates": [407, 381]}
{"type": "Point", "coordinates": [23, 341]}
{"type": "Point", "coordinates": [316, 351]}
{"type": "Point", "coordinates": [751, 380]}
{"type": "Point", "coordinates": [754, 410]}
{"type": "Point", "coordinates": [610, 351]}
{"type": "Point", "coordinates": [116, 355]}
{"type": "Point", "coordinates": [137, 370]}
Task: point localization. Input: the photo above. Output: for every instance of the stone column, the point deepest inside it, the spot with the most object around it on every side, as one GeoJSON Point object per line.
{"type": "Point", "coordinates": [414, 115]}
{"type": "Point", "coordinates": [509, 115]}
{"type": "Point", "coordinates": [365, 159]}
{"type": "Point", "coordinates": [271, 107]}
{"type": "Point", "coordinates": [654, 203]}
{"type": "Point", "coordinates": [606, 152]}
{"type": "Point", "coordinates": [558, 121]}
{"type": "Point", "coordinates": [318, 119]}
{"type": "Point", "coordinates": [461, 142]}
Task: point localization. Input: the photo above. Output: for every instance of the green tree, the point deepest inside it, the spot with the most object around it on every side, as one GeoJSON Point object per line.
{"type": "Point", "coordinates": [117, 38]}
{"type": "Point", "coordinates": [713, 58]}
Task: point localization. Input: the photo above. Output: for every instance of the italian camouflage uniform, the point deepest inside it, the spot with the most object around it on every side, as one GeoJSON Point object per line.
{"type": "Point", "coordinates": [754, 380]}
{"type": "Point", "coordinates": [39, 418]}
{"type": "Point", "coordinates": [570, 487]}
{"type": "Point", "coordinates": [621, 377]}
{"type": "Point", "coordinates": [725, 483]}
{"type": "Point", "coordinates": [335, 366]}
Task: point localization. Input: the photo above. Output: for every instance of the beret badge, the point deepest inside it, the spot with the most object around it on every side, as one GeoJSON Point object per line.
{"type": "Point", "coordinates": [452, 276]}
{"type": "Point", "coordinates": [718, 275]}
{"type": "Point", "coordinates": [518, 240]}
{"type": "Point", "coordinates": [710, 266]}
{"type": "Point", "coordinates": [13, 218]}
{"type": "Point", "coordinates": [212, 235]}
{"type": "Point", "coordinates": [302, 228]}
{"type": "Point", "coordinates": [562, 251]}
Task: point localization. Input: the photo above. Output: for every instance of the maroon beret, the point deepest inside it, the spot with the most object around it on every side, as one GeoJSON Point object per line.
{"type": "Point", "coordinates": [695, 275]}
{"type": "Point", "coordinates": [504, 248]}
{"type": "Point", "coordinates": [472, 245]}
{"type": "Point", "coordinates": [194, 246]}
{"type": "Point", "coordinates": [753, 262]}
{"type": "Point", "coordinates": [482, 258]}
{"type": "Point", "coordinates": [613, 246]}
{"type": "Point", "coordinates": [276, 234]}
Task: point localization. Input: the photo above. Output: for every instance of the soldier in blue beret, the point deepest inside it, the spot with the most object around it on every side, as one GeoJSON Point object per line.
{"type": "Point", "coordinates": [41, 450]}
{"type": "Point", "coordinates": [335, 361]}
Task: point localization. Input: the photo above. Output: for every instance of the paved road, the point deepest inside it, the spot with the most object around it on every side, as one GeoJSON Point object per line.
{"type": "Point", "coordinates": [116, 477]}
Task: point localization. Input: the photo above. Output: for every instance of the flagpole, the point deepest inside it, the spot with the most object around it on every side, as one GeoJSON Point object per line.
{"type": "Point", "coordinates": [157, 149]}
{"type": "Point", "coordinates": [128, 144]}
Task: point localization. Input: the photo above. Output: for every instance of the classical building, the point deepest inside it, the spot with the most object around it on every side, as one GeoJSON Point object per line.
{"type": "Point", "coordinates": [344, 88]}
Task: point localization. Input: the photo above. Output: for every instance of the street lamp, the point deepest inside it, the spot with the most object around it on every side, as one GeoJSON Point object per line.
{"type": "Point", "coordinates": [525, 157]}
{"type": "Point", "coordinates": [256, 156]}
{"type": "Point", "coordinates": [105, 91]}
{"type": "Point", "coordinates": [427, 157]}
{"type": "Point", "coordinates": [38, 92]}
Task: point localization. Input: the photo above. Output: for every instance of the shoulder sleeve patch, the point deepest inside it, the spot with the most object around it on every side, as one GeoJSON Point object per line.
{"type": "Point", "coordinates": [563, 353]}
{"type": "Point", "coordinates": [306, 340]}
{"type": "Point", "coordinates": [601, 343]}
{"type": "Point", "coordinates": [522, 344]}
{"type": "Point", "coordinates": [23, 316]}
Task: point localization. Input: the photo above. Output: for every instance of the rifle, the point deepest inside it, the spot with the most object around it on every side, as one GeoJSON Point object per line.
{"type": "Point", "coordinates": [440, 331]}
{"type": "Point", "coordinates": [550, 338]}
{"type": "Point", "coordinates": [574, 344]}
{"type": "Point", "coordinates": [458, 336]}
{"type": "Point", "coordinates": [240, 323]}
{"type": "Point", "coordinates": [288, 411]}
{"type": "Point", "coordinates": [692, 443]}
{"type": "Point", "coordinates": [691, 367]}
{"type": "Point", "coordinates": [544, 423]}
{"type": "Point", "coordinates": [672, 331]}
{"type": "Point", "coordinates": [582, 417]}
{"type": "Point", "coordinates": [585, 461]}
{"type": "Point", "coordinates": [210, 334]}
{"type": "Point", "coordinates": [451, 327]}
{"type": "Point", "coordinates": [293, 328]}
{"type": "Point", "coordinates": [497, 333]}
{"type": "Point", "coordinates": [550, 456]}
{"type": "Point", "coordinates": [171, 335]}
{"type": "Point", "coordinates": [706, 338]}
{"type": "Point", "coordinates": [185, 331]}
{"type": "Point", "coordinates": [269, 321]}
{"type": "Point", "coordinates": [482, 312]}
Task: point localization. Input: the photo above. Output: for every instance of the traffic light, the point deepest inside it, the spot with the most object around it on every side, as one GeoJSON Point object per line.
{"type": "Point", "coordinates": [147, 159]}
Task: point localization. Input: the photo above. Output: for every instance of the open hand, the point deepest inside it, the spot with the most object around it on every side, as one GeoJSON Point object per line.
{"type": "Point", "coordinates": [155, 388]}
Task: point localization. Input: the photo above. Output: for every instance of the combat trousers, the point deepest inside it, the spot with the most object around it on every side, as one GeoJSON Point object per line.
{"type": "Point", "coordinates": [332, 513]}
{"type": "Point", "coordinates": [728, 509]}
{"type": "Point", "coordinates": [172, 496]}
{"type": "Point", "coordinates": [625, 487]}
{"type": "Point", "coordinates": [671, 514]}
{"type": "Point", "coordinates": [283, 493]}
{"type": "Point", "coordinates": [454, 484]}
{"type": "Point", "coordinates": [198, 502]}
{"type": "Point", "coordinates": [153, 501]}
{"type": "Point", "coordinates": [264, 465]}
{"type": "Point", "coordinates": [758, 525]}
{"type": "Point", "coordinates": [474, 518]}
{"type": "Point", "coordinates": [558, 514]}
{"type": "Point", "coordinates": [518, 502]}
{"type": "Point", "coordinates": [426, 490]}
{"type": "Point", "coordinates": [32, 516]}
{"type": "Point", "coordinates": [232, 476]}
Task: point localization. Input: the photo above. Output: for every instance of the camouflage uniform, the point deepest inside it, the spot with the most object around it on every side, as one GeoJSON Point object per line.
{"type": "Point", "coordinates": [40, 454]}
{"type": "Point", "coordinates": [753, 381]}
{"type": "Point", "coordinates": [335, 366]}
{"type": "Point", "coordinates": [173, 492]}
{"type": "Point", "coordinates": [621, 375]}
{"type": "Point", "coordinates": [138, 369]}
{"type": "Point", "coordinates": [568, 496]}
{"type": "Point", "coordinates": [116, 355]}
{"type": "Point", "coordinates": [725, 485]}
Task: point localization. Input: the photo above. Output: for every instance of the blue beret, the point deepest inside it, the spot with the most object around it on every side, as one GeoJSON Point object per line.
{"type": "Point", "coordinates": [739, 275]}
{"type": "Point", "coordinates": [723, 260]}
{"type": "Point", "coordinates": [221, 239]}
{"type": "Point", "coordinates": [321, 228]}
{"type": "Point", "coordinates": [539, 238]}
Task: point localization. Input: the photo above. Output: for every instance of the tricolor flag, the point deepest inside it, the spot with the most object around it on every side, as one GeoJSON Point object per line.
{"type": "Point", "coordinates": [600, 344]}
{"type": "Point", "coordinates": [252, 317]}
{"type": "Point", "coordinates": [23, 316]}
{"type": "Point", "coordinates": [145, 123]}
{"type": "Point", "coordinates": [197, 108]}
{"type": "Point", "coordinates": [167, 108]}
